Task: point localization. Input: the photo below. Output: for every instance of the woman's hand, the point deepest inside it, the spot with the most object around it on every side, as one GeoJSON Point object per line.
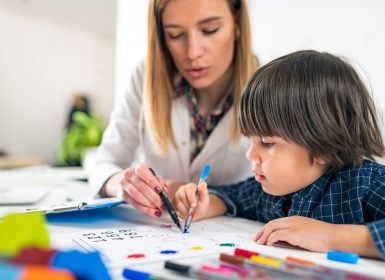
{"type": "Point", "coordinates": [140, 187]}
{"type": "Point", "coordinates": [191, 195]}
{"type": "Point", "coordinates": [307, 233]}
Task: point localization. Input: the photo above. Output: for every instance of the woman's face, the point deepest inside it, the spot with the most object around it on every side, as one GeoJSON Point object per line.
{"type": "Point", "coordinates": [200, 36]}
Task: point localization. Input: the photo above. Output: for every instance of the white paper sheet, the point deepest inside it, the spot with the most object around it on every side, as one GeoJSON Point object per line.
{"type": "Point", "coordinates": [138, 244]}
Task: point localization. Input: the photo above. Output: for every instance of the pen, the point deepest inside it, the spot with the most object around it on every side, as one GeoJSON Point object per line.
{"type": "Point", "coordinates": [205, 272]}
{"type": "Point", "coordinates": [266, 265]}
{"type": "Point", "coordinates": [95, 204]}
{"type": "Point", "coordinates": [102, 203]}
{"type": "Point", "coordinates": [204, 174]}
{"type": "Point", "coordinates": [168, 205]}
{"type": "Point", "coordinates": [288, 269]}
{"type": "Point", "coordinates": [132, 274]}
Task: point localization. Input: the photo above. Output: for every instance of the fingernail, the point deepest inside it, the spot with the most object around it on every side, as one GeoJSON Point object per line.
{"type": "Point", "coordinates": [158, 213]}
{"type": "Point", "coordinates": [157, 189]}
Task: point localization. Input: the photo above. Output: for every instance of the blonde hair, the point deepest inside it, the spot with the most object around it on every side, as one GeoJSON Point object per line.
{"type": "Point", "coordinates": [160, 72]}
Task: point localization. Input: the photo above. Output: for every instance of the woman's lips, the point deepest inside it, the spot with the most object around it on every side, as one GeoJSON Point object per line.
{"type": "Point", "coordinates": [198, 72]}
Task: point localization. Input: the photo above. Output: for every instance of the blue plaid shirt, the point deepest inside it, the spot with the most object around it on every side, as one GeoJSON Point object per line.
{"type": "Point", "coordinates": [353, 195]}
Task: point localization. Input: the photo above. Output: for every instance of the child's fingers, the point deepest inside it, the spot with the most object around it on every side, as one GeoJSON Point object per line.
{"type": "Point", "coordinates": [181, 210]}
{"type": "Point", "coordinates": [203, 193]}
{"type": "Point", "coordinates": [204, 200]}
{"type": "Point", "coordinates": [258, 236]}
{"type": "Point", "coordinates": [191, 194]}
{"type": "Point", "coordinates": [181, 198]}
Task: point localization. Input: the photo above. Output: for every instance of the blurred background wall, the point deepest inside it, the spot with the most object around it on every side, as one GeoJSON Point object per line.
{"type": "Point", "coordinates": [51, 49]}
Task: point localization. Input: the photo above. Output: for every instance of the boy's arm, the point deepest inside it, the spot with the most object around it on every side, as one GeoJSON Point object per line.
{"type": "Point", "coordinates": [354, 238]}
{"type": "Point", "coordinates": [241, 199]}
{"type": "Point", "coordinates": [319, 236]}
{"type": "Point", "coordinates": [217, 207]}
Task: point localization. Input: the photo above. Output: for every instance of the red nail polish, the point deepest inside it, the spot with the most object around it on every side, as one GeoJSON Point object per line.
{"type": "Point", "coordinates": [157, 189]}
{"type": "Point", "coordinates": [158, 213]}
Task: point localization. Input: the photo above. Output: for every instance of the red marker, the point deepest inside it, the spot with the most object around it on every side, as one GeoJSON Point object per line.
{"type": "Point", "coordinates": [244, 253]}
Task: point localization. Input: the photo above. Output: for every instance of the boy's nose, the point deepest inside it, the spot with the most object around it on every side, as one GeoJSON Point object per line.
{"type": "Point", "coordinates": [253, 155]}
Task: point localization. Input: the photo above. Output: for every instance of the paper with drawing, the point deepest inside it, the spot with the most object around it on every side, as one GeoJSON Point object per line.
{"type": "Point", "coordinates": [138, 243]}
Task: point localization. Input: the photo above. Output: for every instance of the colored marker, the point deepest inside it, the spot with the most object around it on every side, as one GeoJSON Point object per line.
{"type": "Point", "coordinates": [299, 261]}
{"type": "Point", "coordinates": [132, 274]}
{"type": "Point", "coordinates": [168, 205]}
{"type": "Point", "coordinates": [205, 272]}
{"type": "Point", "coordinates": [342, 257]}
{"type": "Point", "coordinates": [204, 175]}
{"type": "Point", "coordinates": [244, 253]}
{"type": "Point", "coordinates": [273, 267]}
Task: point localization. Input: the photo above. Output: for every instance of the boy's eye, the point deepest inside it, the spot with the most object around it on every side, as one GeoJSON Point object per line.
{"type": "Point", "coordinates": [267, 144]}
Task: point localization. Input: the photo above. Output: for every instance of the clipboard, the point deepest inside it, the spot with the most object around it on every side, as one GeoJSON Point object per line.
{"type": "Point", "coordinates": [82, 206]}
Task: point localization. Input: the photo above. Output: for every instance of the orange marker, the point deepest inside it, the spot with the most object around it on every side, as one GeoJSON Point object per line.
{"type": "Point", "coordinates": [300, 261]}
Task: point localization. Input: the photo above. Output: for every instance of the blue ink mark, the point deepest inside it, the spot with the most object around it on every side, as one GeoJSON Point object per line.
{"type": "Point", "coordinates": [168, 252]}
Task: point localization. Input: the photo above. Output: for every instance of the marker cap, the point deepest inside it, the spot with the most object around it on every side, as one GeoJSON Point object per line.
{"type": "Point", "coordinates": [135, 274]}
{"type": "Point", "coordinates": [342, 257]}
{"type": "Point", "coordinates": [177, 267]}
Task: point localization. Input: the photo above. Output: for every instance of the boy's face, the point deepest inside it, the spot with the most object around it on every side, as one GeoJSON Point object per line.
{"type": "Point", "coordinates": [282, 167]}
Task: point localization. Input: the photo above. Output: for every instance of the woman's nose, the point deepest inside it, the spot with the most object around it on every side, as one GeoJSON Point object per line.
{"type": "Point", "coordinates": [194, 47]}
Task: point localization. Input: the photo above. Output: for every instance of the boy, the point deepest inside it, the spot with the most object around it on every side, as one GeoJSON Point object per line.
{"type": "Point", "coordinates": [314, 135]}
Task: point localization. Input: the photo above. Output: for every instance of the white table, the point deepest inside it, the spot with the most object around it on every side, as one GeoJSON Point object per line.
{"type": "Point", "coordinates": [67, 185]}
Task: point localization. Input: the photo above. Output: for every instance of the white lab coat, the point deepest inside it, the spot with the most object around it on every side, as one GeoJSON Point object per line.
{"type": "Point", "coordinates": [124, 135]}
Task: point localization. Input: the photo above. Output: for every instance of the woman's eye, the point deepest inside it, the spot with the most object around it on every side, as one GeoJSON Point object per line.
{"type": "Point", "coordinates": [175, 36]}
{"type": "Point", "coordinates": [210, 31]}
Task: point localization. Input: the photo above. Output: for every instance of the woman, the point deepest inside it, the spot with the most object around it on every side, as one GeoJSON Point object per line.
{"type": "Point", "coordinates": [180, 105]}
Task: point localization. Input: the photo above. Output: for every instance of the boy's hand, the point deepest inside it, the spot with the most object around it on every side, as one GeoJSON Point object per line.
{"type": "Point", "coordinates": [191, 195]}
{"type": "Point", "coordinates": [307, 233]}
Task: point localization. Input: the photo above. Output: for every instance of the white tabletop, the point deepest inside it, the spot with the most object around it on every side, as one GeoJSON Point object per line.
{"type": "Point", "coordinates": [68, 186]}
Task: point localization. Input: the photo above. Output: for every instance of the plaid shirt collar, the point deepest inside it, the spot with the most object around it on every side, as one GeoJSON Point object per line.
{"type": "Point", "coordinates": [200, 127]}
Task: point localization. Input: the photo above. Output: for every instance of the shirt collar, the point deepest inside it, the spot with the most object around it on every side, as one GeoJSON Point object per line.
{"type": "Point", "coordinates": [183, 88]}
{"type": "Point", "coordinates": [315, 188]}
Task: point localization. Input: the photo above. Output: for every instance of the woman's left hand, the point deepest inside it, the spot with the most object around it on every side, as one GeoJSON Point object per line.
{"type": "Point", "coordinates": [307, 233]}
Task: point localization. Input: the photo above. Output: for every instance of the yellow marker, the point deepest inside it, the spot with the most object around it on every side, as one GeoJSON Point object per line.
{"type": "Point", "coordinates": [266, 261]}
{"type": "Point", "coordinates": [18, 231]}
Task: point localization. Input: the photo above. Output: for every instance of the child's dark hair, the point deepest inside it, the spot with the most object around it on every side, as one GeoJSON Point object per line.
{"type": "Point", "coordinates": [315, 100]}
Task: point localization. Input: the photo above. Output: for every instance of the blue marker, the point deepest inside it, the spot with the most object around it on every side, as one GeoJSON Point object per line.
{"type": "Point", "coordinates": [204, 175]}
{"type": "Point", "coordinates": [342, 257]}
{"type": "Point", "coordinates": [137, 275]}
